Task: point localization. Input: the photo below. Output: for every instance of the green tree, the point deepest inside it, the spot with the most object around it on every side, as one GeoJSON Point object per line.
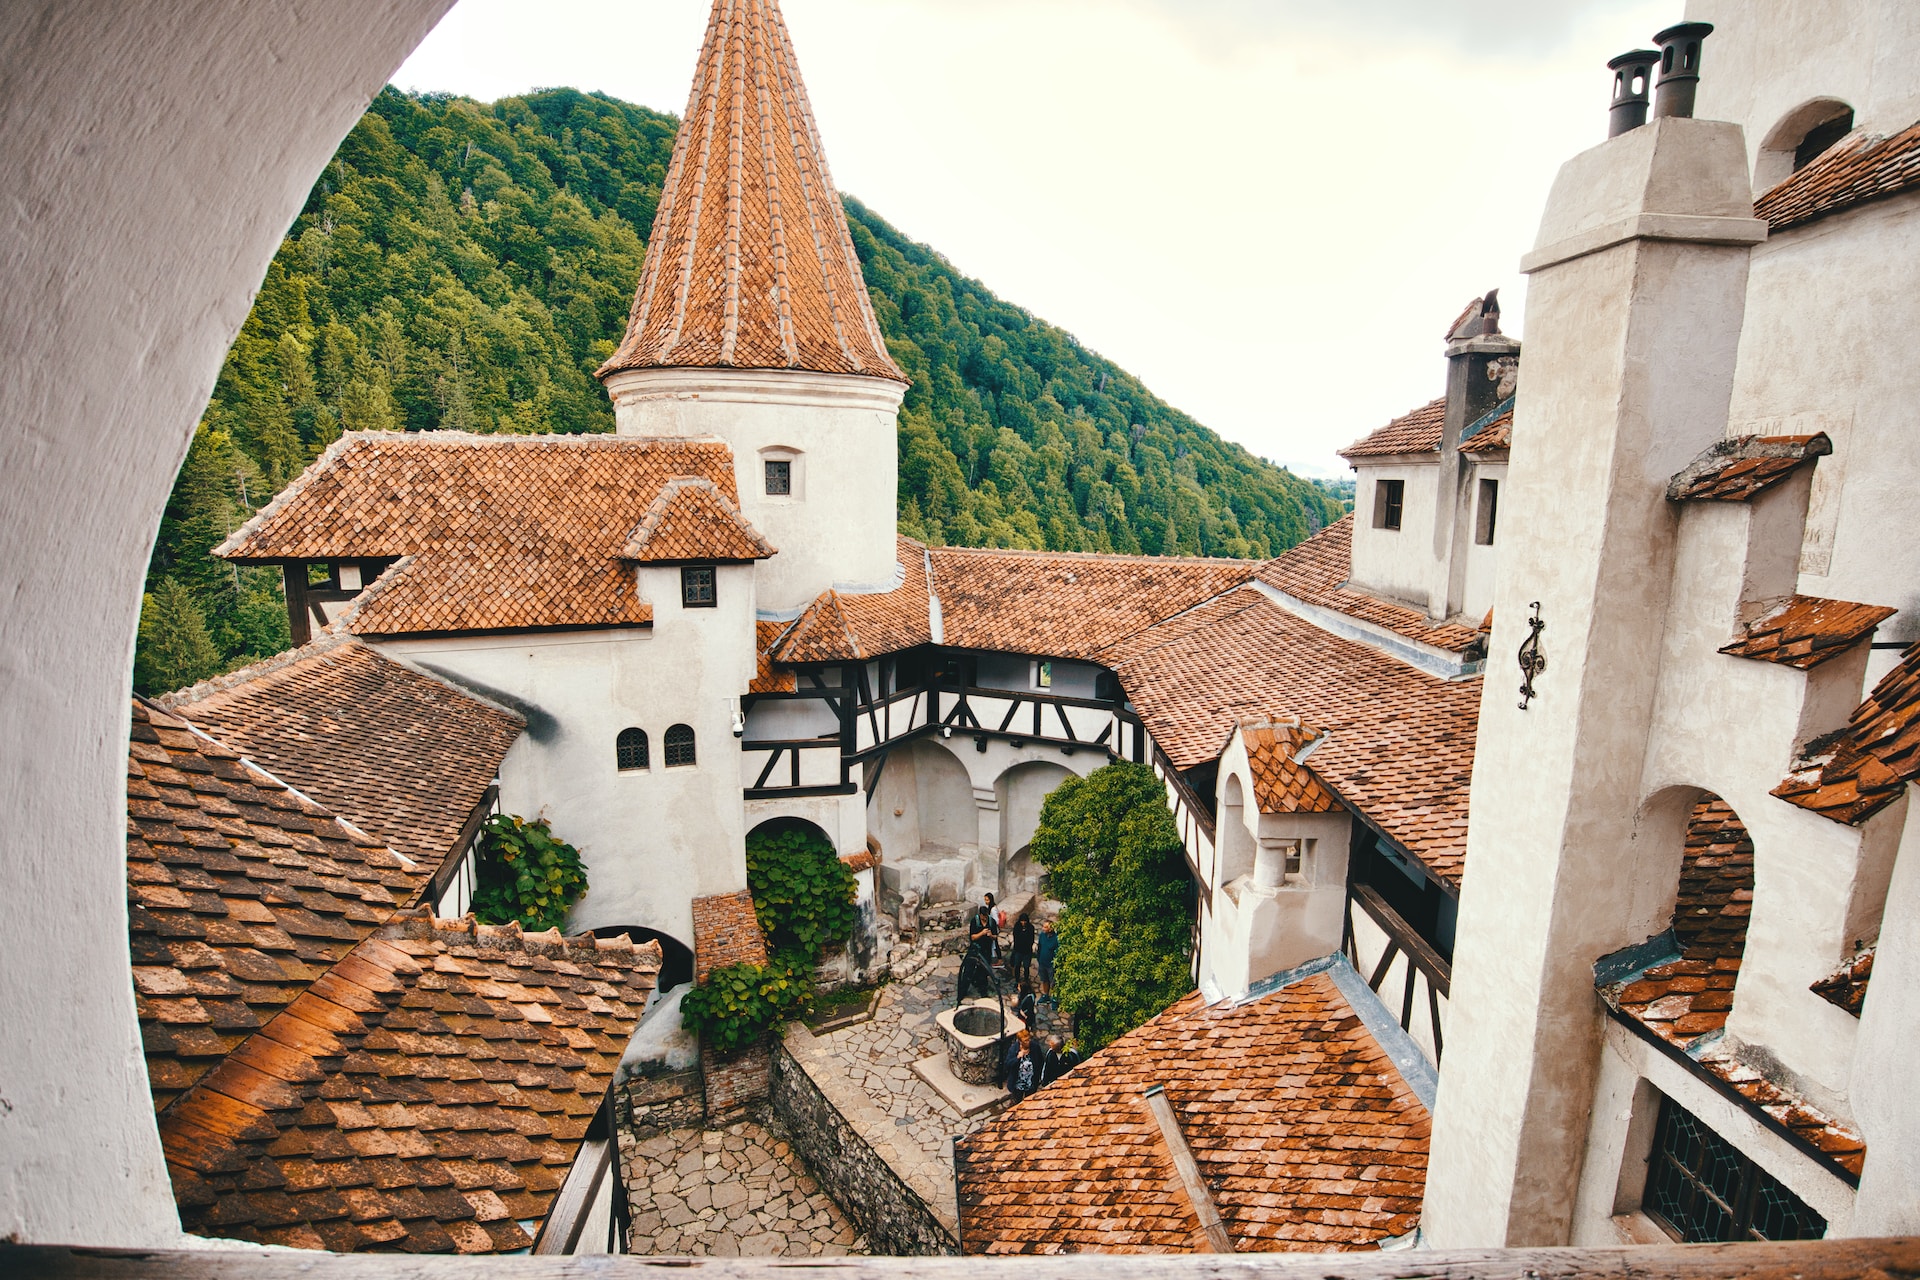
{"type": "Point", "coordinates": [175, 649]}
{"type": "Point", "coordinates": [1115, 863]}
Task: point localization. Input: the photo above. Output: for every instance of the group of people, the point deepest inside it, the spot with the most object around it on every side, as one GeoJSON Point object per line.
{"type": "Point", "coordinates": [1030, 1063]}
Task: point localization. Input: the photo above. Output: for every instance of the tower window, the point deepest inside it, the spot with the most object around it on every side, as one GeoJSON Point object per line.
{"type": "Point", "coordinates": [630, 749]}
{"type": "Point", "coordinates": [679, 747]}
{"type": "Point", "coordinates": [779, 477]}
{"type": "Point", "coordinates": [1488, 511]}
{"type": "Point", "coordinates": [1702, 1189]}
{"type": "Point", "coordinates": [1389, 496]}
{"type": "Point", "coordinates": [696, 588]}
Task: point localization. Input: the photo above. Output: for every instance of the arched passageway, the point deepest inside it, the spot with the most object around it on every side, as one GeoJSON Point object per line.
{"type": "Point", "coordinates": [1021, 791]}
{"type": "Point", "coordinates": [676, 957]}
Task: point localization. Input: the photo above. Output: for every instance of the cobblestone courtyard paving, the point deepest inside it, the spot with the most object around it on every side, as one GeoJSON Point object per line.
{"type": "Point", "coordinates": [733, 1192]}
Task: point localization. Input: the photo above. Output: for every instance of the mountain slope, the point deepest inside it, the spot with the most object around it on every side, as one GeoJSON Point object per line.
{"type": "Point", "coordinates": [465, 265]}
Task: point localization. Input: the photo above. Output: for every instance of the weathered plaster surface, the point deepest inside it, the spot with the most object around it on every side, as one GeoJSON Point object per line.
{"type": "Point", "coordinates": [152, 162]}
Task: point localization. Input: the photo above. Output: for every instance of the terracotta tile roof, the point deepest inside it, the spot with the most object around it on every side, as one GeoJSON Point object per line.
{"type": "Point", "coordinates": [1415, 432]}
{"type": "Point", "coordinates": [1304, 1133]}
{"type": "Point", "coordinates": [497, 532]}
{"type": "Point", "coordinates": [1851, 775]}
{"type": "Point", "coordinates": [768, 678]}
{"type": "Point", "coordinates": [1846, 987]}
{"type": "Point", "coordinates": [1495, 437]}
{"type": "Point", "coordinates": [1685, 999]}
{"type": "Point", "coordinates": [240, 893]}
{"type": "Point", "coordinates": [398, 753]}
{"type": "Point", "coordinates": [692, 520]}
{"type": "Point", "coordinates": [1742, 468]}
{"type": "Point", "coordinates": [427, 1094]}
{"type": "Point", "coordinates": [1316, 572]}
{"type": "Point", "coordinates": [839, 626]}
{"type": "Point", "coordinates": [1399, 743]}
{"type": "Point", "coordinates": [1281, 782]}
{"type": "Point", "coordinates": [1852, 172]}
{"type": "Point", "coordinates": [726, 931]}
{"type": "Point", "coordinates": [1691, 995]}
{"type": "Point", "coordinates": [1807, 630]}
{"type": "Point", "coordinates": [750, 264]}
{"type": "Point", "coordinates": [1065, 604]}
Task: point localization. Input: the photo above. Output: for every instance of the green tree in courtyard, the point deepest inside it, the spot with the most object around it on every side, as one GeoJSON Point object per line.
{"type": "Point", "coordinates": [1114, 861]}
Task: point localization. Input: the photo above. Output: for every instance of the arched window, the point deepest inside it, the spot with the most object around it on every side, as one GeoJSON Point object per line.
{"type": "Point", "coordinates": [1800, 138]}
{"type": "Point", "coordinates": [630, 749]}
{"type": "Point", "coordinates": [679, 746]}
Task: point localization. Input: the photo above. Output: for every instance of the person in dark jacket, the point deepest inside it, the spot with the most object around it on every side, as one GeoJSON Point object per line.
{"type": "Point", "coordinates": [1054, 1063]}
{"type": "Point", "coordinates": [1045, 946]}
{"type": "Point", "coordinates": [976, 967]}
{"type": "Point", "coordinates": [1025, 1006]}
{"type": "Point", "coordinates": [1023, 1071]}
{"type": "Point", "coordinates": [1022, 948]}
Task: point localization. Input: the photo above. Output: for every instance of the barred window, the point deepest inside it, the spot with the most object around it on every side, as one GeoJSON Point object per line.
{"type": "Point", "coordinates": [630, 749]}
{"type": "Point", "coordinates": [679, 746]}
{"type": "Point", "coordinates": [696, 586]}
{"type": "Point", "coordinates": [779, 476]}
{"type": "Point", "coordinates": [1702, 1189]}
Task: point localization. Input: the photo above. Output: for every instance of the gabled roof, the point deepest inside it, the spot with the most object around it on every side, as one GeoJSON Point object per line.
{"type": "Point", "coordinates": [398, 753]}
{"type": "Point", "coordinates": [1067, 604]}
{"type": "Point", "coordinates": [427, 1094]}
{"type": "Point", "coordinates": [1303, 1130]}
{"type": "Point", "coordinates": [767, 677]}
{"type": "Point", "coordinates": [1742, 468]}
{"type": "Point", "coordinates": [1399, 743]}
{"type": "Point", "coordinates": [1806, 630]}
{"type": "Point", "coordinates": [1060, 604]}
{"type": "Point", "coordinates": [1851, 775]}
{"type": "Point", "coordinates": [1415, 432]}
{"type": "Point", "coordinates": [1316, 572]}
{"type": "Point", "coordinates": [1282, 783]}
{"type": "Point", "coordinates": [1852, 172]}
{"type": "Point", "coordinates": [240, 893]}
{"type": "Point", "coordinates": [838, 626]}
{"type": "Point", "coordinates": [495, 532]}
{"type": "Point", "coordinates": [750, 265]}
{"type": "Point", "coordinates": [692, 520]}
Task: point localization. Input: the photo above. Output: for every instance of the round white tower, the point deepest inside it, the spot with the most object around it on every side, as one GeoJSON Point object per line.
{"type": "Point", "coordinates": [752, 321]}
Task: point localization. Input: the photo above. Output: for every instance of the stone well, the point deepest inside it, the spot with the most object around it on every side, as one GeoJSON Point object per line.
{"type": "Point", "coordinates": [975, 1042]}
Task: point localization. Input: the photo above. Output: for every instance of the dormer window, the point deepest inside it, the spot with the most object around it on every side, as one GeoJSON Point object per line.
{"type": "Point", "coordinates": [779, 477]}
{"type": "Point", "coordinates": [1820, 138]}
{"type": "Point", "coordinates": [697, 587]}
{"type": "Point", "coordinates": [1389, 497]}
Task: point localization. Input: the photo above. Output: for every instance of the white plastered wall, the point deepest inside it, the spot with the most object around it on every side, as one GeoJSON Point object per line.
{"type": "Point", "coordinates": [838, 528]}
{"type": "Point", "coordinates": [1396, 563]}
{"type": "Point", "coordinates": [1767, 57]}
{"type": "Point", "coordinates": [154, 158]}
{"type": "Point", "coordinates": [1481, 558]}
{"type": "Point", "coordinates": [652, 839]}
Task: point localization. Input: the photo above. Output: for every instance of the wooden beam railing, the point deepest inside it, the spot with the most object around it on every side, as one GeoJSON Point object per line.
{"type": "Point", "coordinates": [460, 854]}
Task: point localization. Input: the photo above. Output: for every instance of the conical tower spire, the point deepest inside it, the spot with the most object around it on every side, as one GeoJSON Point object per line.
{"type": "Point", "coordinates": [750, 265]}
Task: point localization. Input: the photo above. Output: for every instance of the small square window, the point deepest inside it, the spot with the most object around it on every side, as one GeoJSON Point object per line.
{"type": "Point", "coordinates": [696, 587]}
{"type": "Point", "coordinates": [779, 477]}
{"type": "Point", "coordinates": [1489, 510]}
{"type": "Point", "coordinates": [1043, 675]}
{"type": "Point", "coordinates": [1389, 496]}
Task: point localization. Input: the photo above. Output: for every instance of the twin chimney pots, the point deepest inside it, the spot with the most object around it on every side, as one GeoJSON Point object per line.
{"type": "Point", "coordinates": [1678, 61]}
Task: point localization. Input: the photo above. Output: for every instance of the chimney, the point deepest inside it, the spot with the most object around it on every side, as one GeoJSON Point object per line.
{"type": "Point", "coordinates": [1480, 359]}
{"type": "Point", "coordinates": [1632, 87]}
{"type": "Point", "coordinates": [1679, 68]}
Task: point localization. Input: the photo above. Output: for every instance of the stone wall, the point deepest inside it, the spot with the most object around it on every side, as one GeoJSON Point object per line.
{"type": "Point", "coordinates": [734, 1083]}
{"type": "Point", "coordinates": [647, 1105]}
{"type": "Point", "coordinates": [897, 1218]}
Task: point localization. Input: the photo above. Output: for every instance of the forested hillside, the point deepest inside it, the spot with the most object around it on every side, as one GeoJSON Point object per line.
{"type": "Point", "coordinates": [462, 265]}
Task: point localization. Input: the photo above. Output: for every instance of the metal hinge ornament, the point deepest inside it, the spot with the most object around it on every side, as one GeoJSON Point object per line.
{"type": "Point", "coordinates": [1532, 661]}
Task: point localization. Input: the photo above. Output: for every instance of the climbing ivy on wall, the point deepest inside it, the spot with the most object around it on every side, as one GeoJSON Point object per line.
{"type": "Point", "coordinates": [526, 873]}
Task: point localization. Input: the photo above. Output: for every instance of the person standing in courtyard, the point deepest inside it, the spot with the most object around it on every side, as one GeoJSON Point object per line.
{"type": "Point", "coordinates": [1022, 948]}
{"type": "Point", "coordinates": [1023, 1072]}
{"type": "Point", "coordinates": [976, 967]}
{"type": "Point", "coordinates": [1046, 944]}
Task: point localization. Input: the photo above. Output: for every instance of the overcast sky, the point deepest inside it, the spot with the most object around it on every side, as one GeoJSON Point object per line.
{"type": "Point", "coordinates": [1267, 209]}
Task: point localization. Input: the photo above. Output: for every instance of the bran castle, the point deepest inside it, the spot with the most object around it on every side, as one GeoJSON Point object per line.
{"type": "Point", "coordinates": [1546, 817]}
